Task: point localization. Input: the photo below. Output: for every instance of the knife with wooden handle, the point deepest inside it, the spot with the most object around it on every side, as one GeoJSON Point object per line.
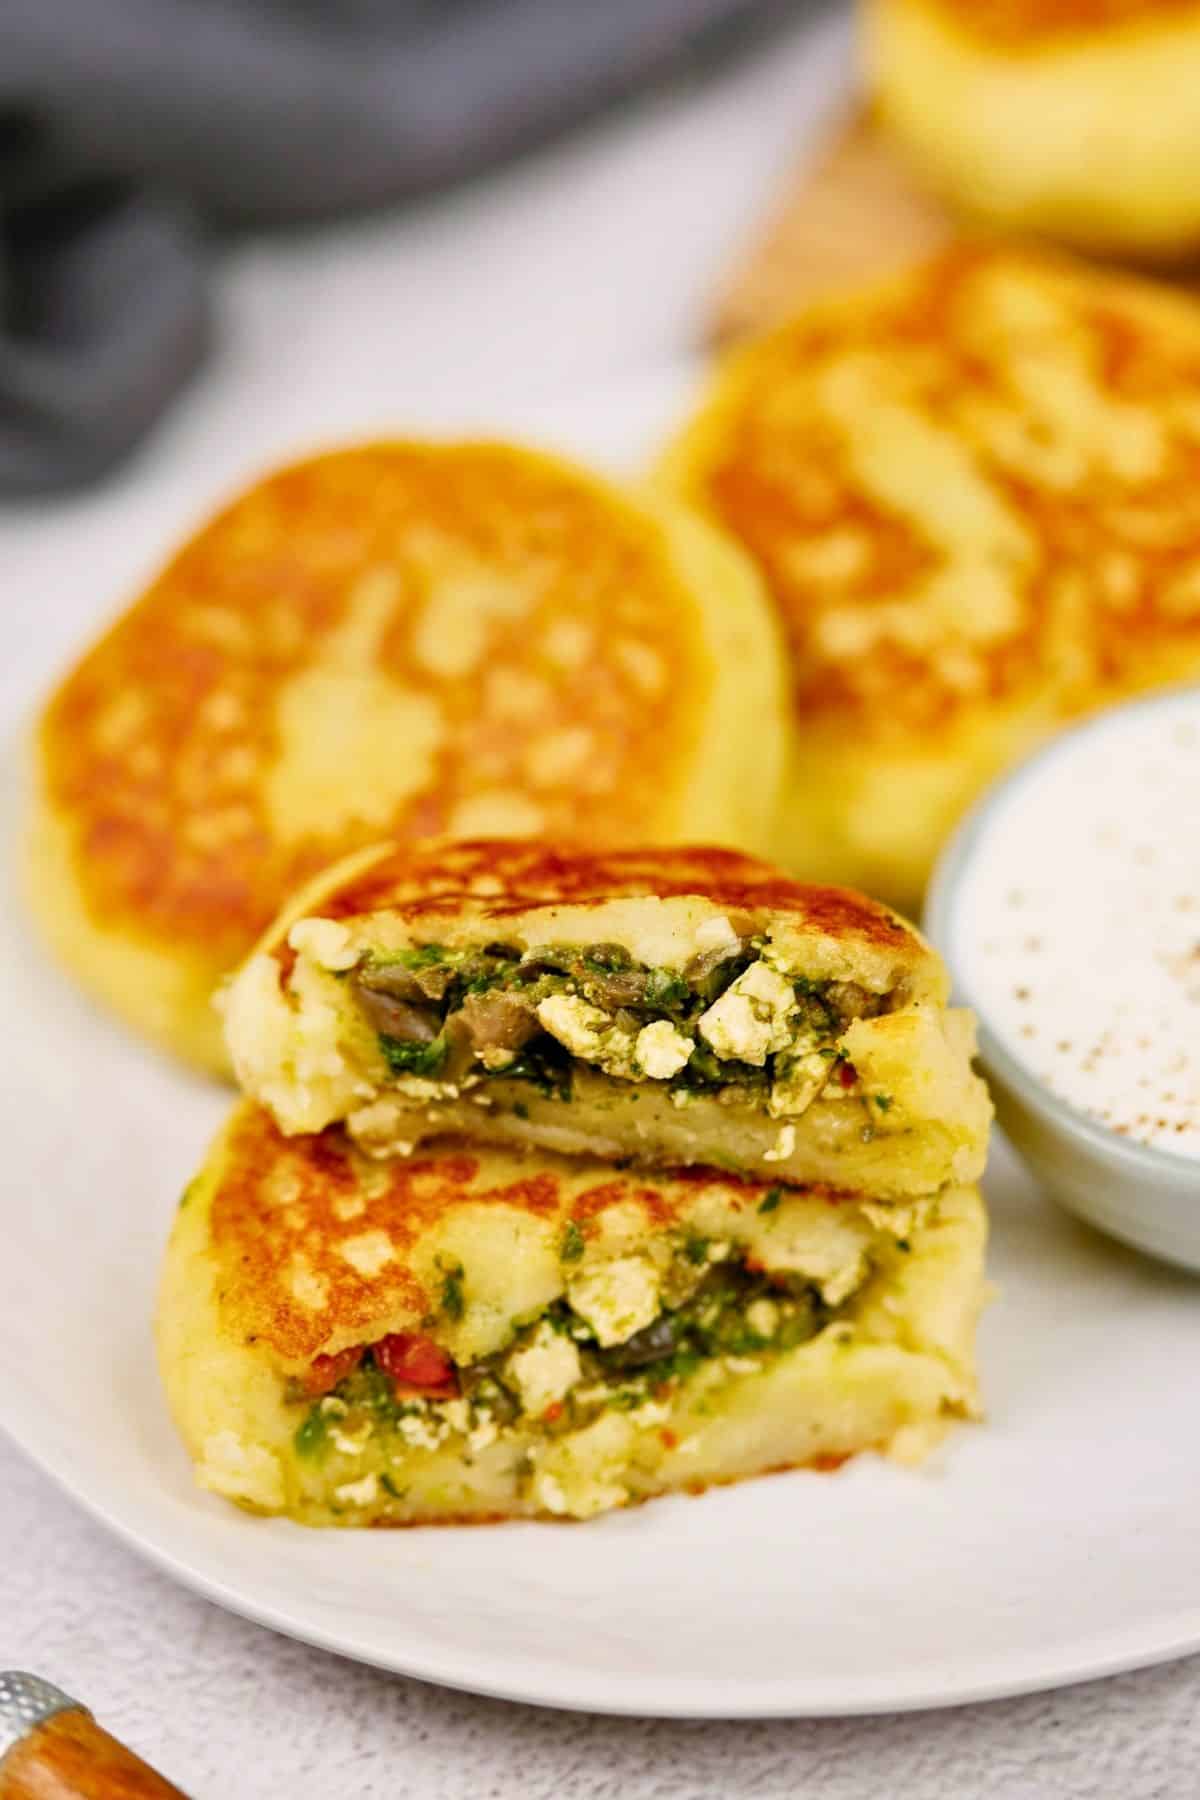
{"type": "Point", "coordinates": [51, 1748]}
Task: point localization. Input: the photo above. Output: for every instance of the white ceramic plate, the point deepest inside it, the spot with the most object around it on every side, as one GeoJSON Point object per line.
{"type": "Point", "coordinates": [1060, 1541]}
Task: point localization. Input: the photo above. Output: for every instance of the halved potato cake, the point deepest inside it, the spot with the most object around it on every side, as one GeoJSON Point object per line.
{"type": "Point", "coordinates": [670, 1006]}
{"type": "Point", "coordinates": [471, 1334]}
{"type": "Point", "coordinates": [398, 639]}
{"type": "Point", "coordinates": [1071, 119]}
{"type": "Point", "coordinates": [973, 493]}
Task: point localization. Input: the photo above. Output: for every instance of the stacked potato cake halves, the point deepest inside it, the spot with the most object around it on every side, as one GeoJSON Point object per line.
{"type": "Point", "coordinates": [706, 1206]}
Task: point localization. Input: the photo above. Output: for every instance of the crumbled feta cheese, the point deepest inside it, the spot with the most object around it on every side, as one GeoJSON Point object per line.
{"type": "Point", "coordinates": [333, 1408]}
{"type": "Point", "coordinates": [480, 1430]}
{"type": "Point", "coordinates": [617, 1298]}
{"type": "Point", "coordinates": [718, 1250]}
{"type": "Point", "coordinates": [352, 1443]}
{"type": "Point", "coordinates": [661, 1051]}
{"type": "Point", "coordinates": [653, 1412]}
{"type": "Point", "coordinates": [751, 1019]}
{"type": "Point", "coordinates": [762, 1316]}
{"type": "Point", "coordinates": [785, 1144]}
{"type": "Point", "coordinates": [575, 1023]}
{"type": "Point", "coordinates": [794, 1091]}
{"type": "Point", "coordinates": [323, 941]}
{"type": "Point", "coordinates": [544, 1369]}
{"type": "Point", "coordinates": [421, 1433]}
{"type": "Point", "coordinates": [715, 934]}
{"type": "Point", "coordinates": [358, 1493]}
{"type": "Point", "coordinates": [588, 1032]}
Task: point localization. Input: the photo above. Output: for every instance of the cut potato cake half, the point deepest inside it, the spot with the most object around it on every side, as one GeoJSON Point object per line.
{"type": "Point", "coordinates": [667, 1006]}
{"type": "Point", "coordinates": [472, 1334]}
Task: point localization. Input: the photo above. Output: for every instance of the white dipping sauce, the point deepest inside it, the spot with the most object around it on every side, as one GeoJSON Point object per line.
{"type": "Point", "coordinates": [1075, 923]}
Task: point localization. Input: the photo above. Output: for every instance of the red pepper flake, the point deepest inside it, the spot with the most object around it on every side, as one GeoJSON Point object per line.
{"type": "Point", "coordinates": [754, 1265]}
{"type": "Point", "coordinates": [416, 1364]}
{"type": "Point", "coordinates": [669, 1437]}
{"type": "Point", "coordinates": [327, 1371]}
{"type": "Point", "coordinates": [552, 1412]}
{"type": "Point", "coordinates": [847, 1074]}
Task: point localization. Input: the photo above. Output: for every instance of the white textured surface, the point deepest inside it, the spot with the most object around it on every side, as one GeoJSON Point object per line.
{"type": "Point", "coordinates": [587, 263]}
{"type": "Point", "coordinates": [228, 1709]}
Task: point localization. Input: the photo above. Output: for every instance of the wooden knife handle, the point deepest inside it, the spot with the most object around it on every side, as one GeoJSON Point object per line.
{"type": "Point", "coordinates": [55, 1750]}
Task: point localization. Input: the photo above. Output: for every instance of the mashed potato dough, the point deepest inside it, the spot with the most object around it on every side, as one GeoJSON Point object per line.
{"type": "Point", "coordinates": [398, 639]}
{"type": "Point", "coordinates": [1074, 119]}
{"type": "Point", "coordinates": [670, 1006]}
{"type": "Point", "coordinates": [973, 492]}
{"type": "Point", "coordinates": [470, 1334]}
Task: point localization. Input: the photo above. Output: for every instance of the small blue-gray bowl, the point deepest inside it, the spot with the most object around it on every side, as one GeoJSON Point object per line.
{"type": "Point", "coordinates": [1135, 1192]}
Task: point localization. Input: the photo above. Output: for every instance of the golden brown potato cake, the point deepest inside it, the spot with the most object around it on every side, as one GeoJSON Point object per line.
{"type": "Point", "coordinates": [1073, 119]}
{"type": "Point", "coordinates": [672, 1006]}
{"type": "Point", "coordinates": [973, 492]}
{"type": "Point", "coordinates": [401, 639]}
{"type": "Point", "coordinates": [473, 1334]}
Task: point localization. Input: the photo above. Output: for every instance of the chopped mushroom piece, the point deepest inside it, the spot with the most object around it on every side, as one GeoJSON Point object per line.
{"type": "Point", "coordinates": [397, 1019]}
{"type": "Point", "coordinates": [499, 1021]}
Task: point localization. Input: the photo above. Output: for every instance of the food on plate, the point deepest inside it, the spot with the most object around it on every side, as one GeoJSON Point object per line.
{"type": "Point", "coordinates": [1075, 922]}
{"type": "Point", "coordinates": [669, 1005]}
{"type": "Point", "coordinates": [1075, 119]}
{"type": "Point", "coordinates": [396, 640]}
{"type": "Point", "coordinates": [974, 494]}
{"type": "Point", "coordinates": [473, 1334]}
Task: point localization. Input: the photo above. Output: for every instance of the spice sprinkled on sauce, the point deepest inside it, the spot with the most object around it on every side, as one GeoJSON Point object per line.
{"type": "Point", "coordinates": [1088, 972]}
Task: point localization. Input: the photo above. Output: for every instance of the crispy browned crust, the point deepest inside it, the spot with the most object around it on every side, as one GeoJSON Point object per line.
{"type": "Point", "coordinates": [584, 696]}
{"type": "Point", "coordinates": [283, 1208]}
{"type": "Point", "coordinates": [1014, 25]}
{"type": "Point", "coordinates": [502, 879]}
{"type": "Point", "coordinates": [1096, 571]}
